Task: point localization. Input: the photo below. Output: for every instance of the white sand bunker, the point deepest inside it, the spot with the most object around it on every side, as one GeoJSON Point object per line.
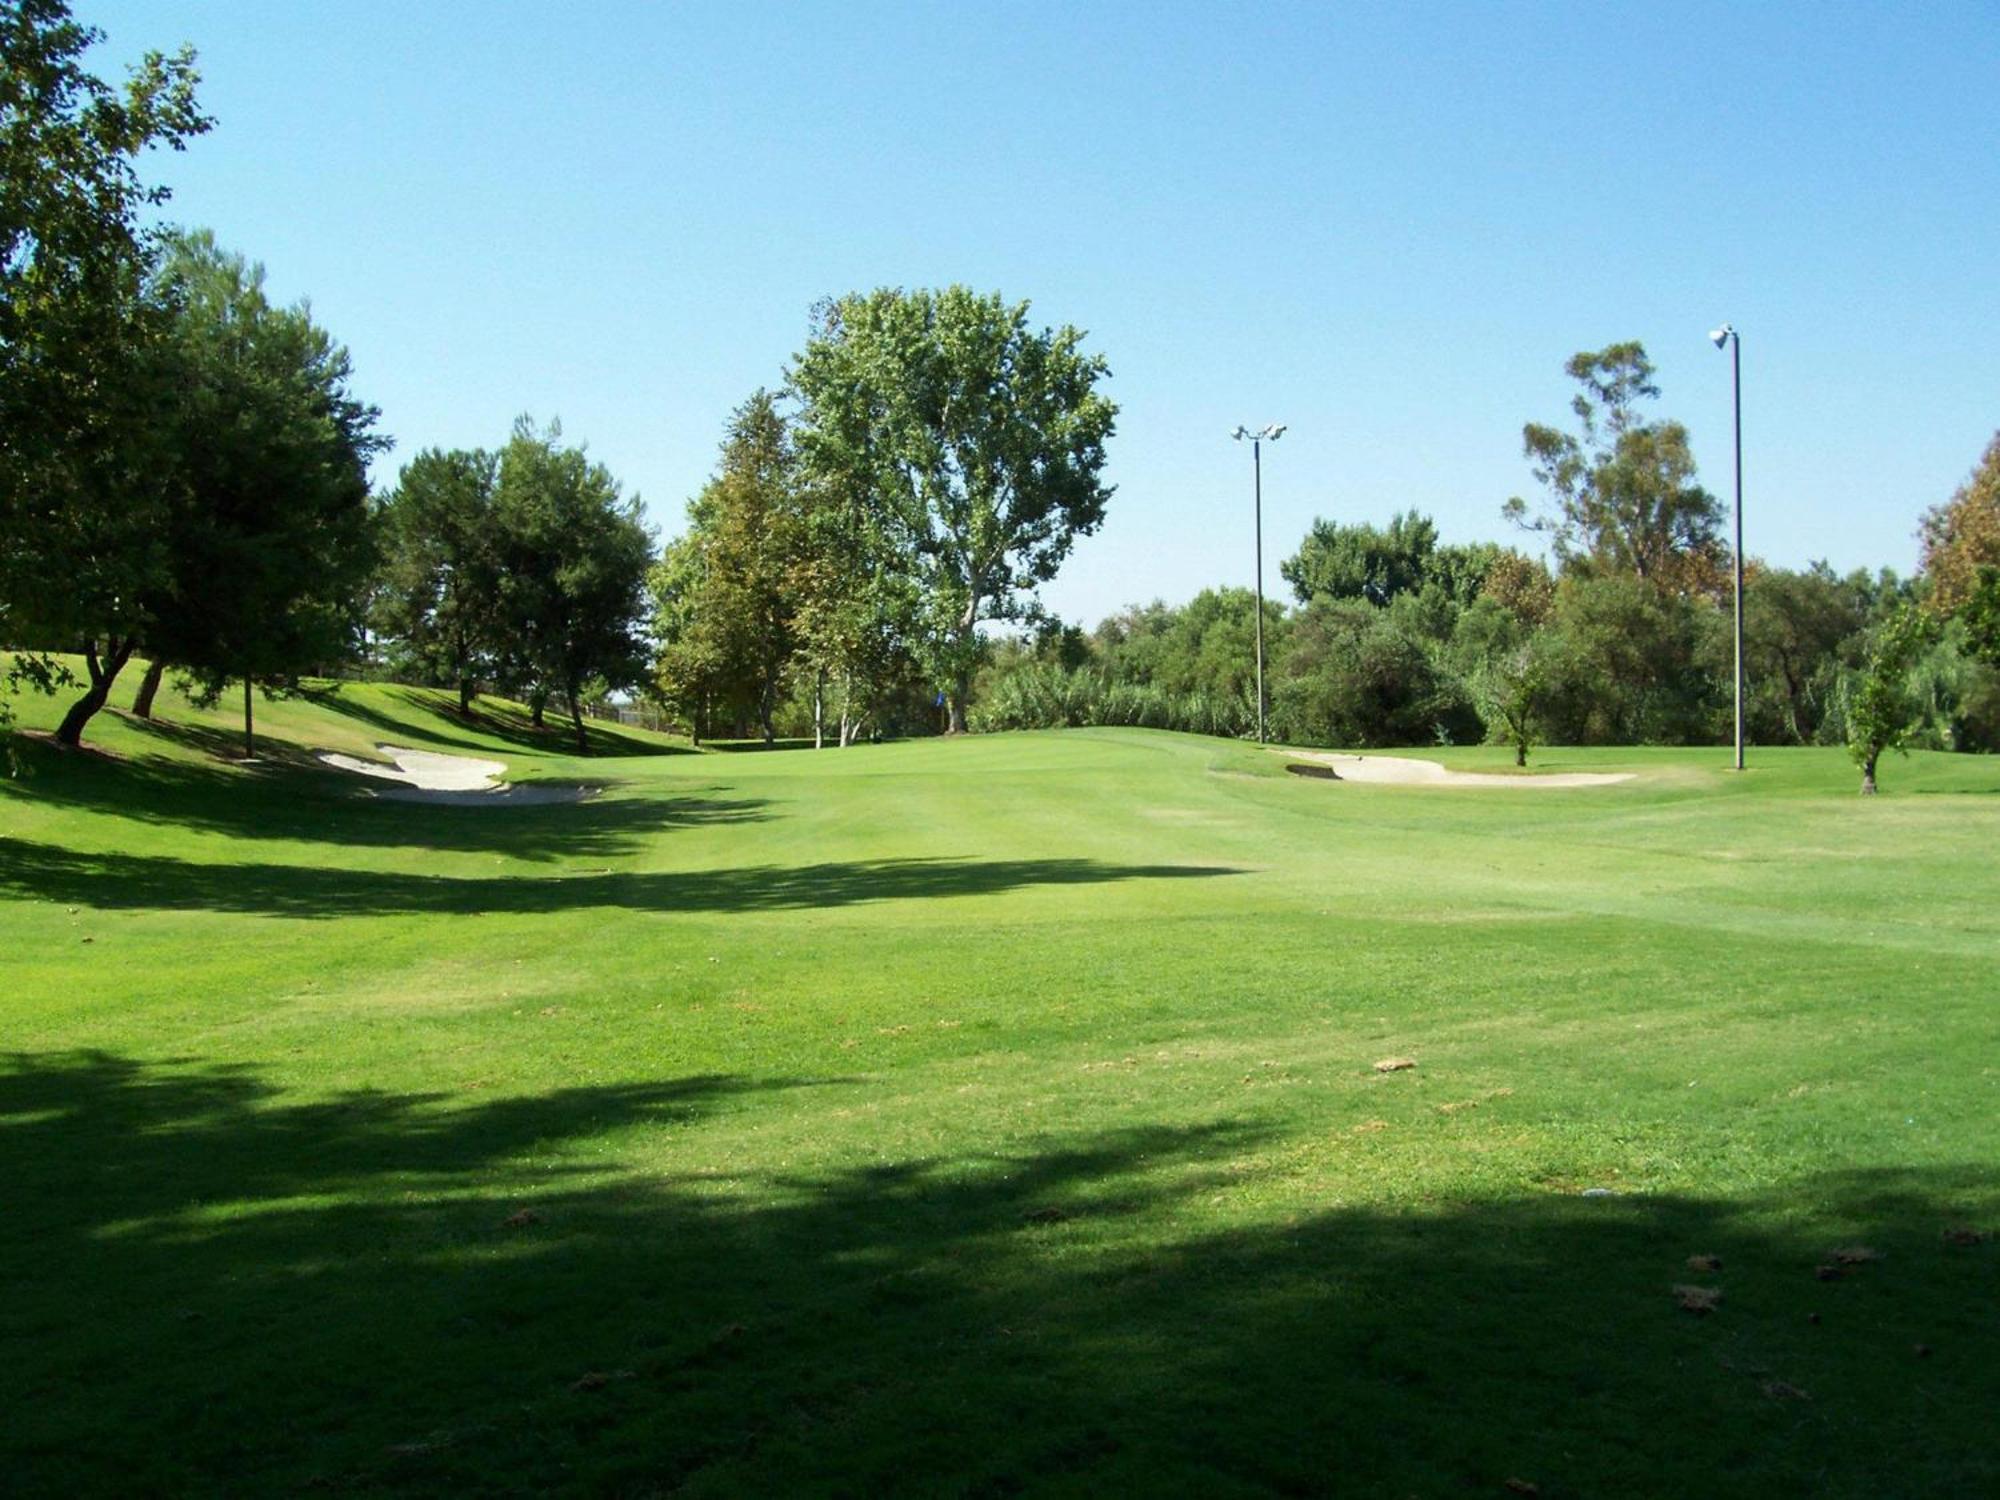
{"type": "Point", "coordinates": [455, 780]}
{"type": "Point", "coordinates": [1400, 770]}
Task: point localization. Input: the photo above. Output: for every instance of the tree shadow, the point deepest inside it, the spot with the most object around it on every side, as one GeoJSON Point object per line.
{"type": "Point", "coordinates": [758, 747]}
{"type": "Point", "coordinates": [213, 1287]}
{"type": "Point", "coordinates": [496, 718]}
{"type": "Point", "coordinates": [285, 795]}
{"type": "Point", "coordinates": [112, 881]}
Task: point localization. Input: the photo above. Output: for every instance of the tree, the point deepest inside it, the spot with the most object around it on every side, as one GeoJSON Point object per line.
{"type": "Point", "coordinates": [1361, 561]}
{"type": "Point", "coordinates": [1880, 706]}
{"type": "Point", "coordinates": [725, 599]}
{"type": "Point", "coordinates": [1512, 691]}
{"type": "Point", "coordinates": [1631, 665]}
{"type": "Point", "coordinates": [1519, 584]}
{"type": "Point", "coordinates": [257, 492]}
{"type": "Point", "coordinates": [1513, 668]}
{"type": "Point", "coordinates": [1209, 646]}
{"type": "Point", "coordinates": [974, 445]}
{"type": "Point", "coordinates": [440, 579]}
{"type": "Point", "coordinates": [1961, 559]}
{"type": "Point", "coordinates": [1623, 495]}
{"type": "Point", "coordinates": [270, 538]}
{"type": "Point", "coordinates": [79, 509]}
{"type": "Point", "coordinates": [1981, 616]}
{"type": "Point", "coordinates": [858, 611]}
{"type": "Point", "coordinates": [1799, 628]}
{"type": "Point", "coordinates": [1353, 675]}
{"type": "Point", "coordinates": [1378, 564]}
{"type": "Point", "coordinates": [572, 561]}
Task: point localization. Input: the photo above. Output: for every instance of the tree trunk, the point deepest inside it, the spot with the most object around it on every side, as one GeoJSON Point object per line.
{"type": "Point", "coordinates": [1868, 774]}
{"type": "Point", "coordinates": [537, 702]}
{"type": "Point", "coordinates": [103, 673]}
{"type": "Point", "coordinates": [819, 711]}
{"type": "Point", "coordinates": [249, 729]}
{"type": "Point", "coordinates": [142, 706]}
{"type": "Point", "coordinates": [576, 718]}
{"type": "Point", "coordinates": [465, 697]}
{"type": "Point", "coordinates": [960, 692]}
{"type": "Point", "coordinates": [1521, 753]}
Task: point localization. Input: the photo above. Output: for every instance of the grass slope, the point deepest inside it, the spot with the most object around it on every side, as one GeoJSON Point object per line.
{"type": "Point", "coordinates": [988, 1117]}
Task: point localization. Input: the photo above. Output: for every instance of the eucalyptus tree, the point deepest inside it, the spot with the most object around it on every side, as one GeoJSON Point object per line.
{"type": "Point", "coordinates": [972, 445]}
{"type": "Point", "coordinates": [1621, 488]}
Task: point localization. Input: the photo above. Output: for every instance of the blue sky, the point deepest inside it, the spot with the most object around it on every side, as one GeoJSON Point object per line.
{"type": "Point", "coordinates": [1385, 226]}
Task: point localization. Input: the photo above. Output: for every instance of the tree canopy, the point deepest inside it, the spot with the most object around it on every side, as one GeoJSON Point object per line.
{"type": "Point", "coordinates": [79, 511]}
{"type": "Point", "coordinates": [727, 594]}
{"type": "Point", "coordinates": [973, 445]}
{"type": "Point", "coordinates": [437, 598]}
{"type": "Point", "coordinates": [572, 560]}
{"type": "Point", "coordinates": [1621, 489]}
{"type": "Point", "coordinates": [1961, 538]}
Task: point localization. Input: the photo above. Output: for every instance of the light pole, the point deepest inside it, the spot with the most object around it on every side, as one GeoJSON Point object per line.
{"type": "Point", "coordinates": [1257, 439]}
{"type": "Point", "coordinates": [1727, 334]}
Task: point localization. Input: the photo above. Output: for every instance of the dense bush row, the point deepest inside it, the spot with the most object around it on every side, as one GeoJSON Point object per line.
{"type": "Point", "coordinates": [1591, 660]}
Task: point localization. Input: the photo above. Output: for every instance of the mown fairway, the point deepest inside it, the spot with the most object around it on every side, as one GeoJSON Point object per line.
{"type": "Point", "coordinates": [988, 1117]}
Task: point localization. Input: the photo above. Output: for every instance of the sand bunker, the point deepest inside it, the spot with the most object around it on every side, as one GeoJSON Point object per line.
{"type": "Point", "coordinates": [1402, 771]}
{"type": "Point", "coordinates": [454, 780]}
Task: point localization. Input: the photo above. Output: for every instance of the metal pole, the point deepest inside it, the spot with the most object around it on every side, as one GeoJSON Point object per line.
{"type": "Point", "coordinates": [1736, 376]}
{"type": "Point", "coordinates": [1257, 469]}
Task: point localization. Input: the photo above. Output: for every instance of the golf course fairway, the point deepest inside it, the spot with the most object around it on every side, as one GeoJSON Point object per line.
{"type": "Point", "coordinates": [989, 1116]}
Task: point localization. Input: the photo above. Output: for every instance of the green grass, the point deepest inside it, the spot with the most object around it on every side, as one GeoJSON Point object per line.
{"type": "Point", "coordinates": [989, 1117]}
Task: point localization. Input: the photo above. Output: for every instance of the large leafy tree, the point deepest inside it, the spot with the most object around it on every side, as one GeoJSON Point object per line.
{"type": "Point", "coordinates": [437, 597]}
{"type": "Point", "coordinates": [1375, 563]}
{"type": "Point", "coordinates": [1622, 497]}
{"type": "Point", "coordinates": [265, 540]}
{"type": "Point", "coordinates": [573, 555]}
{"type": "Point", "coordinates": [79, 503]}
{"type": "Point", "coordinates": [974, 445]}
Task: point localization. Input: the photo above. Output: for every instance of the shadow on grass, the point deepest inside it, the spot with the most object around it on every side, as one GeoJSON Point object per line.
{"type": "Point", "coordinates": [436, 713]}
{"type": "Point", "coordinates": [214, 1287]}
{"type": "Point", "coordinates": [758, 747]}
{"type": "Point", "coordinates": [153, 882]}
{"type": "Point", "coordinates": [288, 796]}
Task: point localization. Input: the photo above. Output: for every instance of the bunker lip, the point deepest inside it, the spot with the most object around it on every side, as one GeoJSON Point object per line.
{"type": "Point", "coordinates": [1401, 770]}
{"type": "Point", "coordinates": [448, 780]}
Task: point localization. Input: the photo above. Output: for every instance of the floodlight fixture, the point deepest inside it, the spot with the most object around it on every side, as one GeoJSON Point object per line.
{"type": "Point", "coordinates": [1721, 336]}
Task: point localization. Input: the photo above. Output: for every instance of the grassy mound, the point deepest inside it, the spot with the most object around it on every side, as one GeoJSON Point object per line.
{"type": "Point", "coordinates": [988, 1117]}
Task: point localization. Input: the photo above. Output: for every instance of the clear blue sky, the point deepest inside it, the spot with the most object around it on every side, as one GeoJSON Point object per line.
{"type": "Point", "coordinates": [1386, 226]}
